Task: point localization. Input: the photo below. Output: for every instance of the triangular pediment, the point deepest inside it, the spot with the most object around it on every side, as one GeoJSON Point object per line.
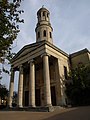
{"type": "Point", "coordinates": [27, 49]}
{"type": "Point", "coordinates": [33, 48]}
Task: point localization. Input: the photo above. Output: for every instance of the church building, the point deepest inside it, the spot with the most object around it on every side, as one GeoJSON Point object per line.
{"type": "Point", "coordinates": [43, 68]}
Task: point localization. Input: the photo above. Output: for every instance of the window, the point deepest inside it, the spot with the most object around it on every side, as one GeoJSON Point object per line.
{"type": "Point", "coordinates": [47, 15]}
{"type": "Point", "coordinates": [43, 13]}
{"type": "Point", "coordinates": [65, 72]}
{"type": "Point", "coordinates": [38, 34]}
{"type": "Point", "coordinates": [50, 34]}
{"type": "Point", "coordinates": [39, 14]}
{"type": "Point", "coordinates": [44, 33]}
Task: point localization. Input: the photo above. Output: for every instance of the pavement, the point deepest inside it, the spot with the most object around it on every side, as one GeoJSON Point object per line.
{"type": "Point", "coordinates": [77, 113]}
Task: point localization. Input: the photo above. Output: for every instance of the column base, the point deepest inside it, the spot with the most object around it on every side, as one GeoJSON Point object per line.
{"type": "Point", "coordinates": [50, 108]}
{"type": "Point", "coordinates": [32, 105]}
{"type": "Point", "coordinates": [9, 106]}
{"type": "Point", "coordinates": [48, 105]}
{"type": "Point", "coordinates": [19, 106]}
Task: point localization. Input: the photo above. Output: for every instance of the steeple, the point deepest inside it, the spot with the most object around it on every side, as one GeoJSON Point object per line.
{"type": "Point", "coordinates": [43, 28]}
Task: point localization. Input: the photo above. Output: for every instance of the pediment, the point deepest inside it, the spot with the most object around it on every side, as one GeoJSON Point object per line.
{"type": "Point", "coordinates": [34, 48]}
{"type": "Point", "coordinates": [27, 49]}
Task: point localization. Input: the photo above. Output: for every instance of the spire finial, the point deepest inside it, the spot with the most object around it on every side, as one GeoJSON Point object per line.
{"type": "Point", "coordinates": [42, 6]}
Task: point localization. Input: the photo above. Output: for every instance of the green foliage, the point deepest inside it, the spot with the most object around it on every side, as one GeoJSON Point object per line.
{"type": "Point", "coordinates": [78, 91]}
{"type": "Point", "coordinates": [3, 92]}
{"type": "Point", "coordinates": [9, 27]}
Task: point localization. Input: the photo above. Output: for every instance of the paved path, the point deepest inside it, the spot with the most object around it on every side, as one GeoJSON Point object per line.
{"type": "Point", "coordinates": [79, 113]}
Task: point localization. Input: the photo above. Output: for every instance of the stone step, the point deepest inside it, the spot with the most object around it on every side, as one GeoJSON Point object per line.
{"type": "Point", "coordinates": [31, 109]}
{"type": "Point", "coordinates": [34, 109]}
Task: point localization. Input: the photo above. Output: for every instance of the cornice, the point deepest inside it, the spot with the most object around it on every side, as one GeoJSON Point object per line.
{"type": "Point", "coordinates": [79, 52]}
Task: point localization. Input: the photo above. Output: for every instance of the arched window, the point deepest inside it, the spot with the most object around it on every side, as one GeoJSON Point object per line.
{"type": "Point", "coordinates": [47, 14]}
{"type": "Point", "coordinates": [65, 72]}
{"type": "Point", "coordinates": [44, 33]}
{"type": "Point", "coordinates": [38, 34]}
{"type": "Point", "coordinates": [40, 14]}
{"type": "Point", "coordinates": [43, 13]}
{"type": "Point", "coordinates": [50, 34]}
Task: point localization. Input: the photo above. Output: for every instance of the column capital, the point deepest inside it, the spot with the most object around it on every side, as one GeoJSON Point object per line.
{"type": "Point", "coordinates": [12, 69]}
{"type": "Point", "coordinates": [31, 61]}
{"type": "Point", "coordinates": [20, 68]}
{"type": "Point", "coordinates": [45, 54]}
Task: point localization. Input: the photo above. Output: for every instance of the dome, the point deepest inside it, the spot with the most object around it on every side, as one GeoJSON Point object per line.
{"type": "Point", "coordinates": [42, 9]}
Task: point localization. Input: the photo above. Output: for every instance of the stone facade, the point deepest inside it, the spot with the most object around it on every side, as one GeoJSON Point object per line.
{"type": "Point", "coordinates": [43, 68]}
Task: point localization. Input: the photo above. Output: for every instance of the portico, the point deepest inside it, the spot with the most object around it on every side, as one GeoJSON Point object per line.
{"type": "Point", "coordinates": [31, 65]}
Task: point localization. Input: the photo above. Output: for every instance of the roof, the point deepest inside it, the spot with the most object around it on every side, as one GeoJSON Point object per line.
{"type": "Point", "coordinates": [79, 52]}
{"type": "Point", "coordinates": [42, 9]}
{"type": "Point", "coordinates": [31, 47]}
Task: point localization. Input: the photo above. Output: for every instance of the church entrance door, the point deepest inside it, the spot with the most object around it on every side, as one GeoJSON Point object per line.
{"type": "Point", "coordinates": [53, 95]}
{"type": "Point", "coordinates": [26, 98]}
{"type": "Point", "coordinates": [37, 97]}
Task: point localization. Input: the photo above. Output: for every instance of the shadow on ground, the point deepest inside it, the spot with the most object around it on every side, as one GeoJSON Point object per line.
{"type": "Point", "coordinates": [81, 113]}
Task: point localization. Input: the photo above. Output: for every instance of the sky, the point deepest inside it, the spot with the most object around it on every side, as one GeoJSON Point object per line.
{"type": "Point", "coordinates": [70, 20]}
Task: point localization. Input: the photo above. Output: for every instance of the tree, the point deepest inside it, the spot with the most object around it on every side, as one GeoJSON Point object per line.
{"type": "Point", "coordinates": [3, 92]}
{"type": "Point", "coordinates": [9, 27]}
{"type": "Point", "coordinates": [3, 96]}
{"type": "Point", "coordinates": [78, 91]}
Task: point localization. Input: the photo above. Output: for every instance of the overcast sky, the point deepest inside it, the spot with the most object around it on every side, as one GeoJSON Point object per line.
{"type": "Point", "coordinates": [70, 20]}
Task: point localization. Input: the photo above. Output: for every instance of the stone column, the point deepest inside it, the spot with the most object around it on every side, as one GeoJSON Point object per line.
{"type": "Point", "coordinates": [20, 87]}
{"type": "Point", "coordinates": [47, 90]}
{"type": "Point", "coordinates": [32, 84]}
{"type": "Point", "coordinates": [11, 88]}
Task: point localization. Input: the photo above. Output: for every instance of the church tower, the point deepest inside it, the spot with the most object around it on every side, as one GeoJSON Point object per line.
{"type": "Point", "coordinates": [43, 29]}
